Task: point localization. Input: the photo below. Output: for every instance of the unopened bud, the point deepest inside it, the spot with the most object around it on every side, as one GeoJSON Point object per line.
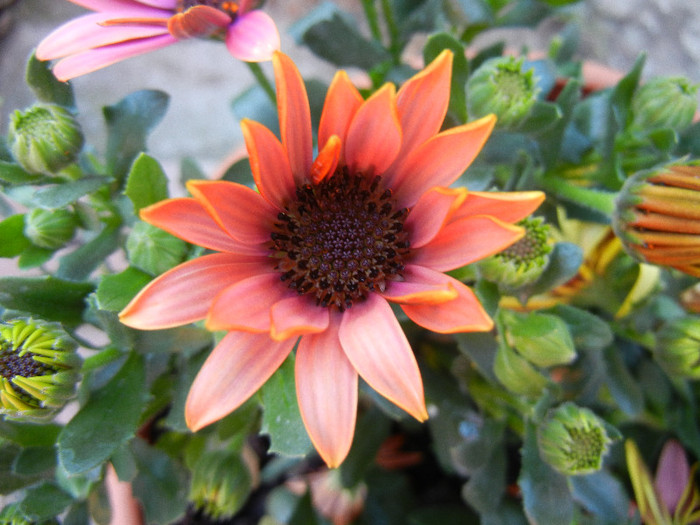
{"type": "Point", "coordinates": [221, 482]}
{"type": "Point", "coordinates": [665, 102]}
{"type": "Point", "coordinates": [677, 348]}
{"type": "Point", "coordinates": [49, 228]}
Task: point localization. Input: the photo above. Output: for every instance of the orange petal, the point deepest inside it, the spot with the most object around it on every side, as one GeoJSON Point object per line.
{"type": "Point", "coordinates": [342, 102]}
{"type": "Point", "coordinates": [246, 305]}
{"type": "Point", "coordinates": [184, 294]}
{"type": "Point", "coordinates": [326, 386]}
{"type": "Point", "coordinates": [466, 241]}
{"type": "Point", "coordinates": [198, 20]}
{"type": "Point", "coordinates": [237, 367]}
{"type": "Point", "coordinates": [327, 160]}
{"type": "Point", "coordinates": [240, 211]}
{"type": "Point", "coordinates": [462, 314]}
{"type": "Point", "coordinates": [431, 212]}
{"type": "Point", "coordinates": [269, 164]}
{"type": "Point", "coordinates": [378, 349]}
{"type": "Point", "coordinates": [439, 161]}
{"type": "Point", "coordinates": [294, 115]}
{"type": "Point", "coordinates": [421, 286]}
{"type": "Point", "coordinates": [374, 135]}
{"type": "Point", "coordinates": [505, 206]}
{"type": "Point", "coordinates": [295, 316]}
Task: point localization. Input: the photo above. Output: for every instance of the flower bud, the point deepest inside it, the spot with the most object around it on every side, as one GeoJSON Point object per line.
{"type": "Point", "coordinates": [221, 483]}
{"type": "Point", "coordinates": [49, 228]}
{"type": "Point", "coordinates": [664, 102]}
{"type": "Point", "coordinates": [690, 299]}
{"type": "Point", "coordinates": [677, 347]}
{"type": "Point", "coordinates": [521, 263]}
{"type": "Point", "coordinates": [44, 138]}
{"type": "Point", "coordinates": [573, 440]}
{"type": "Point", "coordinates": [39, 369]}
{"type": "Point", "coordinates": [657, 216]}
{"type": "Point", "coordinates": [500, 86]}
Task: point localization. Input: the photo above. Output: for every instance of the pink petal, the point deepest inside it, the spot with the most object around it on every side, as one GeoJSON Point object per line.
{"type": "Point", "coordinates": [94, 59]}
{"type": "Point", "coordinates": [374, 135]}
{"type": "Point", "coordinates": [431, 212]}
{"type": "Point", "coordinates": [237, 367]}
{"type": "Point", "coordinates": [121, 7]}
{"type": "Point", "coordinates": [240, 211]}
{"type": "Point", "coordinates": [326, 386]}
{"type": "Point", "coordinates": [505, 206]}
{"type": "Point", "coordinates": [421, 286]}
{"type": "Point", "coordinates": [462, 314]}
{"type": "Point", "coordinates": [465, 241]}
{"type": "Point", "coordinates": [342, 102]}
{"type": "Point", "coordinates": [246, 304]}
{"type": "Point", "coordinates": [439, 161]}
{"type": "Point", "coordinates": [253, 37]}
{"type": "Point", "coordinates": [187, 219]}
{"type": "Point", "coordinates": [295, 316]}
{"type": "Point", "coordinates": [294, 115]}
{"type": "Point", "coordinates": [184, 294]}
{"type": "Point", "coordinates": [378, 349]}
{"type": "Point", "coordinates": [672, 474]}
{"type": "Point", "coordinates": [269, 164]}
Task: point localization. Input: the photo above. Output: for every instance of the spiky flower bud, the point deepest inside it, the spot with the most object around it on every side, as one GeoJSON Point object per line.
{"type": "Point", "coordinates": [500, 86]}
{"type": "Point", "coordinates": [573, 440]}
{"type": "Point", "coordinates": [221, 482]}
{"type": "Point", "coordinates": [657, 216]}
{"type": "Point", "coordinates": [39, 369]}
{"type": "Point", "coordinates": [523, 262]}
{"type": "Point", "coordinates": [49, 228]}
{"type": "Point", "coordinates": [664, 102]}
{"type": "Point", "coordinates": [44, 138]}
{"type": "Point", "coordinates": [677, 347]}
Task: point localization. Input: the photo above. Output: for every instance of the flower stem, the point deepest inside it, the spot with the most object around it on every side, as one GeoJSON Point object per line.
{"type": "Point", "coordinates": [393, 30]}
{"type": "Point", "coordinates": [372, 19]}
{"type": "Point", "coordinates": [262, 81]}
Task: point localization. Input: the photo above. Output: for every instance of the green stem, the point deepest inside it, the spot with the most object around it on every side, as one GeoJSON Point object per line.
{"type": "Point", "coordinates": [393, 30]}
{"type": "Point", "coordinates": [601, 201]}
{"type": "Point", "coordinates": [263, 81]}
{"type": "Point", "coordinates": [372, 19]}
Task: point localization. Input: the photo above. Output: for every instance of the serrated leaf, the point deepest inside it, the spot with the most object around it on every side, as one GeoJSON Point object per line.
{"type": "Point", "coordinates": [12, 239]}
{"type": "Point", "coordinates": [80, 263]}
{"type": "Point", "coordinates": [12, 173]}
{"type": "Point", "coordinates": [153, 250]}
{"type": "Point", "coordinates": [116, 290]}
{"type": "Point", "coordinates": [35, 460]}
{"type": "Point", "coordinates": [146, 183]}
{"type": "Point", "coordinates": [29, 434]}
{"type": "Point", "coordinates": [108, 419]}
{"type": "Point", "coordinates": [46, 86]}
{"type": "Point", "coordinates": [61, 195]}
{"type": "Point", "coordinates": [44, 501]}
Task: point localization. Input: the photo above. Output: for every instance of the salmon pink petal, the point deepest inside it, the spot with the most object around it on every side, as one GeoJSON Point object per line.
{"type": "Point", "coordinates": [242, 212]}
{"type": "Point", "coordinates": [197, 21]}
{"type": "Point", "coordinates": [422, 102]}
{"type": "Point", "coordinates": [127, 7]}
{"type": "Point", "coordinates": [187, 219]}
{"type": "Point", "coordinates": [326, 386]}
{"type": "Point", "coordinates": [374, 135]}
{"type": "Point", "coordinates": [465, 241]}
{"type": "Point", "coordinates": [326, 161]}
{"type": "Point", "coordinates": [439, 161]}
{"type": "Point", "coordinates": [246, 305]}
{"type": "Point", "coordinates": [94, 59]}
{"type": "Point", "coordinates": [294, 115]}
{"type": "Point", "coordinates": [378, 349]}
{"type": "Point", "coordinates": [269, 164]}
{"type": "Point", "coordinates": [421, 286]}
{"type": "Point", "coordinates": [462, 314]}
{"type": "Point", "coordinates": [431, 212]}
{"type": "Point", "coordinates": [342, 101]}
{"type": "Point", "coordinates": [505, 206]}
{"type": "Point", "coordinates": [237, 367]}
{"type": "Point", "coordinates": [183, 294]}
{"type": "Point", "coordinates": [253, 37]}
{"type": "Point", "coordinates": [295, 316]}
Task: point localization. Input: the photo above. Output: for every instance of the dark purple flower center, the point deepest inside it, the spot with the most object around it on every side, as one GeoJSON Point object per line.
{"type": "Point", "coordinates": [12, 364]}
{"type": "Point", "coordinates": [230, 8]}
{"type": "Point", "coordinates": [341, 239]}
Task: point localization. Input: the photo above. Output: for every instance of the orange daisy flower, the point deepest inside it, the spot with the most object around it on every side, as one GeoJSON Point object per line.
{"type": "Point", "coordinates": [317, 256]}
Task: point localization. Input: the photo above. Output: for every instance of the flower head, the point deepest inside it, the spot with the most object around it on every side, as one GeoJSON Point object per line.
{"type": "Point", "coordinates": [327, 244]}
{"type": "Point", "coordinates": [121, 29]}
{"type": "Point", "coordinates": [677, 347]}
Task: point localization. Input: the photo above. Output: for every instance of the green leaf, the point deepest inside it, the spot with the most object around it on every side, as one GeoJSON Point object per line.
{"type": "Point", "coordinates": [146, 183]}
{"type": "Point", "coordinates": [9, 480]}
{"type": "Point", "coordinates": [46, 86]}
{"type": "Point", "coordinates": [589, 332]}
{"type": "Point", "coordinates": [542, 339]}
{"type": "Point", "coordinates": [153, 250]}
{"type": "Point", "coordinates": [109, 418]}
{"type": "Point", "coordinates": [29, 434]}
{"type": "Point", "coordinates": [116, 290]}
{"type": "Point", "coordinates": [61, 195]}
{"type": "Point", "coordinates": [281, 417]}
{"type": "Point", "coordinates": [372, 430]}
{"type": "Point", "coordinates": [624, 388]}
{"type": "Point", "coordinates": [254, 104]}
{"type": "Point", "coordinates": [239, 172]}
{"type": "Point", "coordinates": [128, 124]}
{"type": "Point", "coordinates": [516, 374]}
{"type": "Point", "coordinates": [12, 239]}
{"type": "Point", "coordinates": [460, 70]}
{"type": "Point", "coordinates": [34, 256]}
{"type": "Point", "coordinates": [80, 263]}
{"type": "Point", "coordinates": [44, 501]}
{"type": "Point", "coordinates": [35, 460]}
{"type": "Point", "coordinates": [46, 297]}
{"type": "Point", "coordinates": [602, 494]}
{"type": "Point", "coordinates": [11, 173]}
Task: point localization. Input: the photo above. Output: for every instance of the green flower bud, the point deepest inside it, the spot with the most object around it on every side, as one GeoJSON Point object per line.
{"type": "Point", "coordinates": [500, 86]}
{"type": "Point", "coordinates": [221, 483]}
{"type": "Point", "coordinates": [39, 369]}
{"type": "Point", "coordinates": [657, 216]}
{"type": "Point", "coordinates": [677, 347]}
{"type": "Point", "coordinates": [664, 102]}
{"type": "Point", "coordinates": [521, 263]}
{"type": "Point", "coordinates": [44, 138]}
{"type": "Point", "coordinates": [573, 440]}
{"type": "Point", "coordinates": [49, 228]}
